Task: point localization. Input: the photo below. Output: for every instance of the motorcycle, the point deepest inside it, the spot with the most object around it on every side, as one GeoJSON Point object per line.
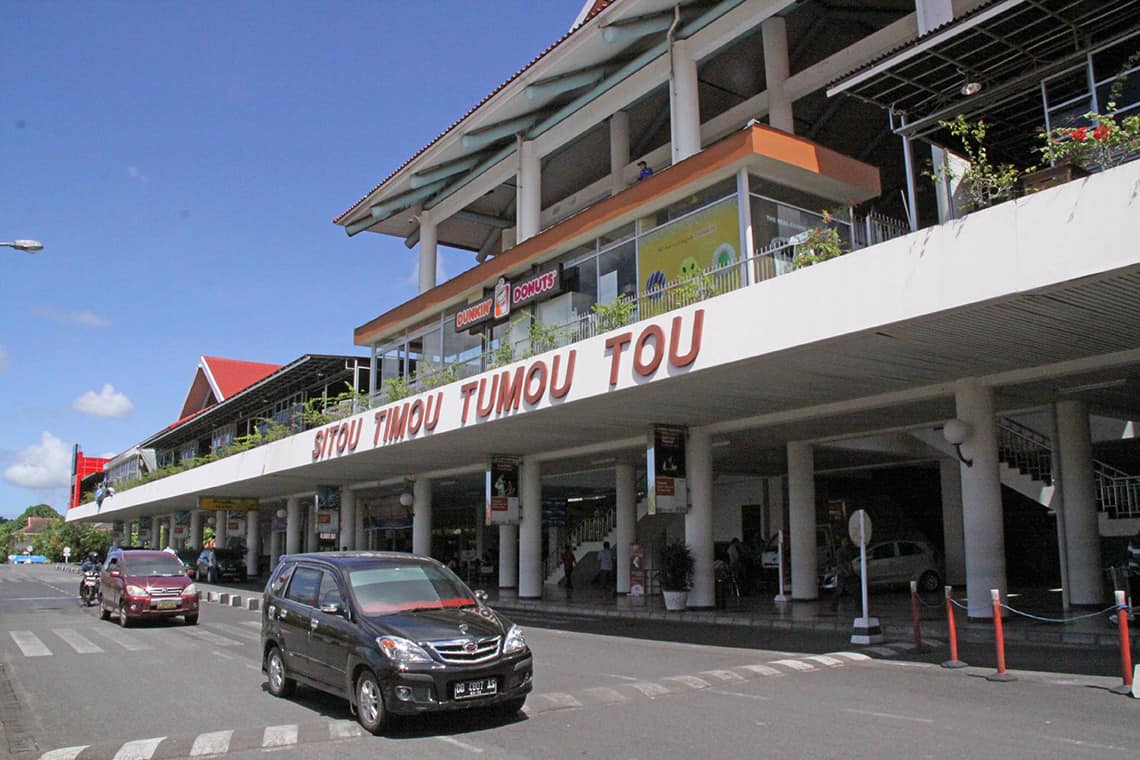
{"type": "Point", "coordinates": [89, 587]}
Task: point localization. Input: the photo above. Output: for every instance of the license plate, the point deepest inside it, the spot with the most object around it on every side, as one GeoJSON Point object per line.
{"type": "Point", "coordinates": [480, 687]}
{"type": "Point", "coordinates": [166, 605]}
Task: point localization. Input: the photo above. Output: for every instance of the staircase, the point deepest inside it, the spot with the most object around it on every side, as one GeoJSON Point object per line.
{"type": "Point", "coordinates": [585, 539]}
{"type": "Point", "coordinates": [1026, 458]}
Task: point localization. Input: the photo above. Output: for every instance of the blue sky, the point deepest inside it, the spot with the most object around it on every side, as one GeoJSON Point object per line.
{"type": "Point", "coordinates": [182, 164]}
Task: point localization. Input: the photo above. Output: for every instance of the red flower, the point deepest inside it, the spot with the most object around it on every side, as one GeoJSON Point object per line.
{"type": "Point", "coordinates": [1080, 134]}
{"type": "Point", "coordinates": [1101, 132]}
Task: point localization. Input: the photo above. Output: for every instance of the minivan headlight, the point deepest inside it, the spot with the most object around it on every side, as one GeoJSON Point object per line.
{"type": "Point", "coordinates": [515, 641]}
{"type": "Point", "coordinates": [401, 651]}
{"type": "Point", "coordinates": [133, 590]}
{"type": "Point", "coordinates": [190, 590]}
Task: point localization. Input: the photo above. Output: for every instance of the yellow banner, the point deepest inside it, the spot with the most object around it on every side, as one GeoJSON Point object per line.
{"type": "Point", "coordinates": [215, 503]}
{"type": "Point", "coordinates": [682, 250]}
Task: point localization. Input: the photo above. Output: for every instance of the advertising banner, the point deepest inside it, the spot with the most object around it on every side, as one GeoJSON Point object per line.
{"type": "Point", "coordinates": [636, 570]}
{"type": "Point", "coordinates": [685, 248]}
{"type": "Point", "coordinates": [235, 523]}
{"type": "Point", "coordinates": [328, 511]}
{"type": "Point", "coordinates": [214, 503]}
{"type": "Point", "coordinates": [553, 513]}
{"type": "Point", "coordinates": [389, 514]}
{"type": "Point", "coordinates": [503, 491]}
{"type": "Point", "coordinates": [182, 517]}
{"type": "Point", "coordinates": [665, 463]}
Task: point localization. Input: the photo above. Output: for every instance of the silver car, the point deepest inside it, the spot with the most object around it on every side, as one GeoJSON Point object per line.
{"type": "Point", "coordinates": [900, 561]}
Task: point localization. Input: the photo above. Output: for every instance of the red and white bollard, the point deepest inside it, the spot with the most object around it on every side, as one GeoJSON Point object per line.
{"type": "Point", "coordinates": [999, 641]}
{"type": "Point", "coordinates": [952, 629]}
{"type": "Point", "coordinates": [1125, 646]}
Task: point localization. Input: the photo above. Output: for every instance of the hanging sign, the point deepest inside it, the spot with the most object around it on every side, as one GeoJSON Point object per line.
{"type": "Point", "coordinates": [328, 510]}
{"type": "Point", "coordinates": [215, 503]}
{"type": "Point", "coordinates": [235, 523]}
{"type": "Point", "coordinates": [636, 570]}
{"type": "Point", "coordinates": [665, 464]}
{"type": "Point", "coordinates": [503, 491]}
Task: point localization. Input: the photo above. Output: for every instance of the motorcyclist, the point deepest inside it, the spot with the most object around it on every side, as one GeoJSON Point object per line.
{"type": "Point", "coordinates": [90, 563]}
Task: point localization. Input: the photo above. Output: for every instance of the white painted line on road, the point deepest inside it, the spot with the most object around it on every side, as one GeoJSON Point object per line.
{"type": "Point", "coordinates": [852, 656]}
{"type": "Point", "coordinates": [238, 631]}
{"type": "Point", "coordinates": [126, 641]}
{"type": "Point", "coordinates": [211, 638]}
{"type": "Point", "coordinates": [605, 695]}
{"type": "Point", "coordinates": [650, 689]}
{"type": "Point", "coordinates": [143, 749]}
{"type": "Point", "coordinates": [31, 599]}
{"type": "Point", "coordinates": [253, 623]}
{"type": "Point", "coordinates": [823, 659]}
{"type": "Point", "coordinates": [882, 651]}
{"type": "Point", "coordinates": [761, 670]}
{"type": "Point", "coordinates": [889, 715]}
{"type": "Point", "coordinates": [78, 641]}
{"type": "Point", "coordinates": [723, 675]}
{"type": "Point", "coordinates": [1093, 745]}
{"type": "Point", "coordinates": [29, 644]}
{"type": "Point", "coordinates": [67, 753]}
{"type": "Point", "coordinates": [279, 736]}
{"type": "Point", "coordinates": [794, 664]}
{"type": "Point", "coordinates": [758, 697]}
{"type": "Point", "coordinates": [213, 743]}
{"type": "Point", "coordinates": [691, 681]}
{"type": "Point", "coordinates": [344, 729]}
{"type": "Point", "coordinates": [462, 745]}
{"type": "Point", "coordinates": [560, 700]}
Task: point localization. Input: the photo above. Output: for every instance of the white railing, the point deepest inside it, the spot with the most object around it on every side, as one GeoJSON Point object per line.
{"type": "Point", "coordinates": [876, 228]}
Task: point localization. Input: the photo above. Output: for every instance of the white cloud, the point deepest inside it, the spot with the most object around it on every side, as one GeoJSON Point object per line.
{"type": "Point", "coordinates": [43, 465]}
{"type": "Point", "coordinates": [106, 403]}
{"type": "Point", "coordinates": [83, 316]}
{"type": "Point", "coordinates": [137, 175]}
{"type": "Point", "coordinates": [3, 359]}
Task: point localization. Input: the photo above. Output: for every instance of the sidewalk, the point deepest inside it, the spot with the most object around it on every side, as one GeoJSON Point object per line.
{"type": "Point", "coordinates": [1083, 629]}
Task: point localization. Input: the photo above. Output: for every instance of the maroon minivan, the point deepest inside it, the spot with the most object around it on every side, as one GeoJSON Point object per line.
{"type": "Point", "coordinates": [140, 584]}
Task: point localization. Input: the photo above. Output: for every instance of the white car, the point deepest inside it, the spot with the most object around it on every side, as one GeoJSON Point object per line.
{"type": "Point", "coordinates": [900, 561]}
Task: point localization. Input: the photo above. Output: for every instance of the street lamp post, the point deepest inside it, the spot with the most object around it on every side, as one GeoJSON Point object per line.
{"type": "Point", "coordinates": [27, 246]}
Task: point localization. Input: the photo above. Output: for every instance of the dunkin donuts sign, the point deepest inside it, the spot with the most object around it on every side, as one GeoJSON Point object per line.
{"type": "Point", "coordinates": [509, 295]}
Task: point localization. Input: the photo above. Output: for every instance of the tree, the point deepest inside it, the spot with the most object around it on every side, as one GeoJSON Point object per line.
{"type": "Point", "coordinates": [39, 510]}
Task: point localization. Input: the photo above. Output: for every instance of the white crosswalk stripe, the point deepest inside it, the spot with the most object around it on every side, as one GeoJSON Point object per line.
{"type": "Point", "coordinates": [279, 736]}
{"type": "Point", "coordinates": [30, 644]}
{"type": "Point", "coordinates": [143, 749]}
{"type": "Point", "coordinates": [605, 695]}
{"type": "Point", "coordinates": [344, 729]}
{"type": "Point", "coordinates": [66, 753]}
{"type": "Point", "coordinates": [234, 630]}
{"type": "Point", "coordinates": [213, 743]}
{"type": "Point", "coordinates": [210, 638]}
{"type": "Point", "coordinates": [77, 641]}
{"type": "Point", "coordinates": [125, 640]}
{"type": "Point", "coordinates": [794, 664]}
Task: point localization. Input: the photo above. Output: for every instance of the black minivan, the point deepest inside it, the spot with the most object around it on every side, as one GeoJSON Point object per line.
{"type": "Point", "coordinates": [394, 633]}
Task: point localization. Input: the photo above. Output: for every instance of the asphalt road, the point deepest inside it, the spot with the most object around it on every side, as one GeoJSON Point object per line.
{"type": "Point", "coordinates": [73, 686]}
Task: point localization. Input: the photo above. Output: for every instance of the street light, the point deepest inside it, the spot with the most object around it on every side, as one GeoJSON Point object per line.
{"type": "Point", "coordinates": [27, 246]}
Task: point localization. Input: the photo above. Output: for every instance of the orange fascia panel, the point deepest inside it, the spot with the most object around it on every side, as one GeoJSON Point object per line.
{"type": "Point", "coordinates": [785, 158]}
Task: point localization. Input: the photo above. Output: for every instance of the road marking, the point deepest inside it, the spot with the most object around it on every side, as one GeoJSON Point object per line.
{"type": "Point", "coordinates": [210, 638]}
{"type": "Point", "coordinates": [691, 681]}
{"type": "Point", "coordinates": [1079, 743]}
{"type": "Point", "coordinates": [254, 623]}
{"type": "Point", "coordinates": [461, 745]}
{"type": "Point", "coordinates": [761, 670]}
{"type": "Point", "coordinates": [723, 675]}
{"type": "Point", "coordinates": [852, 656]}
{"type": "Point", "coordinates": [889, 715]}
{"type": "Point", "coordinates": [758, 697]}
{"type": "Point", "coordinates": [794, 664]}
{"type": "Point", "coordinates": [605, 695]}
{"type": "Point", "coordinates": [29, 644]}
{"type": "Point", "coordinates": [824, 659]}
{"type": "Point", "coordinates": [344, 729]}
{"type": "Point", "coordinates": [126, 641]}
{"type": "Point", "coordinates": [78, 641]}
{"type": "Point", "coordinates": [143, 749]}
{"type": "Point", "coordinates": [234, 630]}
{"type": "Point", "coordinates": [213, 743]}
{"type": "Point", "coordinates": [67, 753]}
{"type": "Point", "coordinates": [650, 689]}
{"type": "Point", "coordinates": [279, 736]}
{"type": "Point", "coordinates": [561, 701]}
{"type": "Point", "coordinates": [32, 598]}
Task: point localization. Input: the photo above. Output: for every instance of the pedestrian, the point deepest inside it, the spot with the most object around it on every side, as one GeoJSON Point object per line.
{"type": "Point", "coordinates": [606, 567]}
{"type": "Point", "coordinates": [738, 565]}
{"type": "Point", "coordinates": [568, 563]}
{"type": "Point", "coordinates": [844, 570]}
{"type": "Point", "coordinates": [643, 171]}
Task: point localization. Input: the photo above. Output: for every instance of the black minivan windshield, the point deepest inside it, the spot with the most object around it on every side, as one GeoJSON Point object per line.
{"type": "Point", "coordinates": [403, 588]}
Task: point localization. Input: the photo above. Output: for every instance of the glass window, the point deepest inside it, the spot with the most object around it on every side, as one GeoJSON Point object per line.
{"type": "Point", "coordinates": [303, 587]}
{"type": "Point", "coordinates": [788, 196]}
{"type": "Point", "coordinates": [330, 592]}
{"type": "Point", "coordinates": [617, 272]}
{"type": "Point", "coordinates": [907, 549]}
{"type": "Point", "coordinates": [277, 585]}
{"type": "Point", "coordinates": [163, 564]}
{"type": "Point", "coordinates": [389, 589]}
{"type": "Point", "coordinates": [882, 551]}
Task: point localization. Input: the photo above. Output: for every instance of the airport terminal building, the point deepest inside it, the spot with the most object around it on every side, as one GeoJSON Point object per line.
{"type": "Point", "coordinates": [656, 342]}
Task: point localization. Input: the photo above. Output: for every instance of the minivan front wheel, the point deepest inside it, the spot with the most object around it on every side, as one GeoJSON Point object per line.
{"type": "Point", "coordinates": [123, 619]}
{"type": "Point", "coordinates": [370, 703]}
{"type": "Point", "coordinates": [280, 685]}
{"type": "Point", "coordinates": [929, 582]}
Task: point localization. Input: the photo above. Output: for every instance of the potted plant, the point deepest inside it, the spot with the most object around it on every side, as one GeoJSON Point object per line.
{"type": "Point", "coordinates": [675, 568]}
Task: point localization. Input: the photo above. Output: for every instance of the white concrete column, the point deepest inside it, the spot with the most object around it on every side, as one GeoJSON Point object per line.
{"type": "Point", "coordinates": [421, 517]}
{"type": "Point", "coordinates": [292, 525]}
{"type": "Point", "coordinates": [801, 520]}
{"type": "Point", "coordinates": [981, 498]}
{"type": "Point", "coordinates": [684, 103]}
{"type": "Point", "coordinates": [698, 520]}
{"type": "Point", "coordinates": [347, 520]}
{"type": "Point", "coordinates": [508, 556]}
{"type": "Point", "coordinates": [276, 538]}
{"type": "Point", "coordinates": [311, 541]}
{"type": "Point", "coordinates": [619, 150]}
{"type": "Point", "coordinates": [1078, 488]}
{"type": "Point", "coordinates": [252, 541]}
{"type": "Point", "coordinates": [530, 530]}
{"type": "Point", "coordinates": [954, 545]}
{"type": "Point", "coordinates": [196, 529]}
{"type": "Point", "coordinates": [359, 539]}
{"type": "Point", "coordinates": [625, 533]}
{"type": "Point", "coordinates": [170, 540]}
{"type": "Point", "coordinates": [480, 530]}
{"type": "Point", "coordinates": [429, 238]}
{"type": "Point", "coordinates": [774, 32]}
{"type": "Point", "coordinates": [528, 193]}
{"type": "Point", "coordinates": [1057, 503]}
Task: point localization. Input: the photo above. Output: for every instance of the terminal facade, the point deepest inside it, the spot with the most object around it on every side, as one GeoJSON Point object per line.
{"type": "Point", "coordinates": [642, 202]}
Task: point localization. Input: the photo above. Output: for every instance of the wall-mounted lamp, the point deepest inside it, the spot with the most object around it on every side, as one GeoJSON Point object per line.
{"type": "Point", "coordinates": [211, 520]}
{"type": "Point", "coordinates": [406, 499]}
{"type": "Point", "coordinates": [281, 513]}
{"type": "Point", "coordinates": [956, 432]}
{"type": "Point", "coordinates": [971, 88]}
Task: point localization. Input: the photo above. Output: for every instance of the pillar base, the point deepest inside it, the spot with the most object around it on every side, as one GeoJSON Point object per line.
{"type": "Point", "coordinates": [1001, 677]}
{"type": "Point", "coordinates": [954, 664]}
{"type": "Point", "coordinates": [866, 631]}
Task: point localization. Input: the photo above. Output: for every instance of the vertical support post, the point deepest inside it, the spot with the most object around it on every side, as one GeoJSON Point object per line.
{"type": "Point", "coordinates": [292, 525]}
{"type": "Point", "coordinates": [744, 220]}
{"type": "Point", "coordinates": [429, 241]}
{"type": "Point", "coordinates": [625, 491]}
{"type": "Point", "coordinates": [528, 194]}
{"type": "Point", "coordinates": [252, 542]}
{"type": "Point", "coordinates": [774, 34]}
{"type": "Point", "coordinates": [530, 530]}
{"type": "Point", "coordinates": [952, 628]}
{"type": "Point", "coordinates": [1125, 645]}
{"type": "Point", "coordinates": [699, 518]}
{"type": "Point", "coordinates": [619, 150]}
{"type": "Point", "coordinates": [684, 103]}
{"type": "Point", "coordinates": [347, 532]}
{"type": "Point", "coordinates": [999, 641]}
{"type": "Point", "coordinates": [421, 517]}
{"type": "Point", "coordinates": [780, 595]}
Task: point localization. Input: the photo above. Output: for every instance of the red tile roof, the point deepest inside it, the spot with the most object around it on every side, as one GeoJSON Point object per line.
{"type": "Point", "coordinates": [217, 379]}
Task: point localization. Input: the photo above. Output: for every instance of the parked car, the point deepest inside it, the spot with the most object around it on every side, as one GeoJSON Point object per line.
{"type": "Point", "coordinates": [140, 584]}
{"type": "Point", "coordinates": [898, 562]}
{"type": "Point", "coordinates": [824, 548]}
{"type": "Point", "coordinates": [215, 565]}
{"type": "Point", "coordinates": [393, 633]}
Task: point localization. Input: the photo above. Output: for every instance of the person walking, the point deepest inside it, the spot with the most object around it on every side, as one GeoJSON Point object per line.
{"type": "Point", "coordinates": [568, 563]}
{"type": "Point", "coordinates": [606, 568]}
